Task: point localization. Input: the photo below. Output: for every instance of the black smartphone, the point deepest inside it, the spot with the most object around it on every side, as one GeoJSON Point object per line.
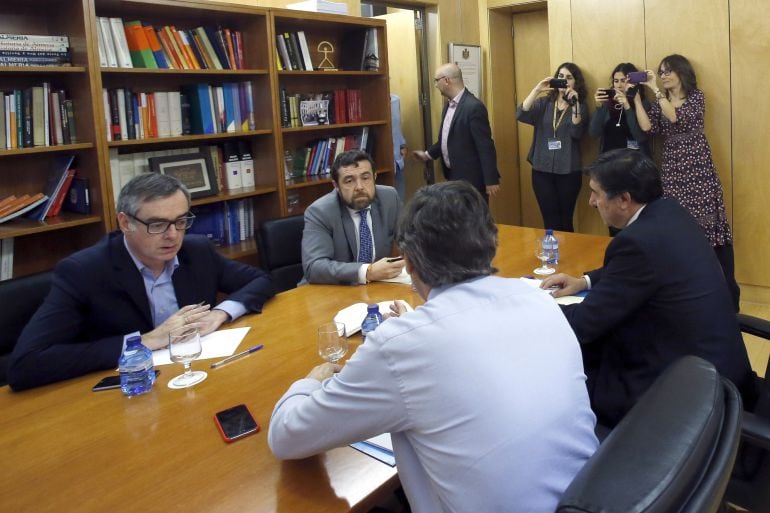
{"type": "Point", "coordinates": [235, 423]}
{"type": "Point", "coordinates": [112, 382]}
{"type": "Point", "coordinates": [610, 93]}
{"type": "Point", "coordinates": [558, 83]}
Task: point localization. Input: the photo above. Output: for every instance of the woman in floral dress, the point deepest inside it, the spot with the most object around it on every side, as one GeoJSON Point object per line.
{"type": "Point", "coordinates": [687, 170]}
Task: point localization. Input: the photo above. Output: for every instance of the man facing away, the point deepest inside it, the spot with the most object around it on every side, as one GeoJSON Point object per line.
{"type": "Point", "coordinates": [348, 234]}
{"type": "Point", "coordinates": [465, 142]}
{"type": "Point", "coordinates": [660, 295]}
{"type": "Point", "coordinates": [148, 278]}
{"type": "Point", "coordinates": [460, 382]}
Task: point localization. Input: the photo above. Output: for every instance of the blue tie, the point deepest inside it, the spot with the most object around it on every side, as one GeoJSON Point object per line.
{"type": "Point", "coordinates": [365, 249]}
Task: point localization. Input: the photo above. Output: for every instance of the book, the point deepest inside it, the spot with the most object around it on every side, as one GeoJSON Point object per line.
{"type": "Point", "coordinates": [121, 45]}
{"type": "Point", "coordinates": [162, 113]}
{"type": "Point", "coordinates": [168, 47]}
{"type": "Point", "coordinates": [58, 200]}
{"type": "Point", "coordinates": [71, 125]}
{"type": "Point", "coordinates": [304, 50]}
{"type": "Point", "coordinates": [175, 113]}
{"type": "Point", "coordinates": [293, 51]}
{"type": "Point", "coordinates": [371, 60]}
{"type": "Point", "coordinates": [57, 174]}
{"type": "Point", "coordinates": [28, 204]}
{"type": "Point", "coordinates": [246, 94]}
{"type": "Point", "coordinates": [138, 46]}
{"type": "Point", "coordinates": [3, 122]}
{"type": "Point", "coordinates": [247, 164]}
{"type": "Point", "coordinates": [6, 258]}
{"type": "Point", "coordinates": [210, 53]}
{"type": "Point", "coordinates": [78, 198]}
{"type": "Point", "coordinates": [283, 52]}
{"type": "Point", "coordinates": [155, 47]}
{"type": "Point", "coordinates": [232, 165]}
{"type": "Point", "coordinates": [109, 45]}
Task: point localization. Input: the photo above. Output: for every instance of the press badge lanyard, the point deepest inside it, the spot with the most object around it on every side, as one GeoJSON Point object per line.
{"type": "Point", "coordinates": [553, 142]}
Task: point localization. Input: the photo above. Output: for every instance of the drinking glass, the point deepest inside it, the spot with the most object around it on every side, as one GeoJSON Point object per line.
{"type": "Point", "coordinates": [544, 255]}
{"type": "Point", "coordinates": [184, 346]}
{"type": "Point", "coordinates": [332, 341]}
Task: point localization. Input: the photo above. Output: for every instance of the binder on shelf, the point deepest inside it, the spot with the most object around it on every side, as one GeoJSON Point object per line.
{"type": "Point", "coordinates": [201, 115]}
{"type": "Point", "coordinates": [109, 45]}
{"type": "Point", "coordinates": [232, 165]}
{"type": "Point", "coordinates": [121, 45]}
{"type": "Point", "coordinates": [78, 198]}
{"type": "Point", "coordinates": [304, 50]}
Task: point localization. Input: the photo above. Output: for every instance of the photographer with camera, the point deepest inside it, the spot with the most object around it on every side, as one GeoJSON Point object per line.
{"type": "Point", "coordinates": [560, 119]}
{"type": "Point", "coordinates": [614, 123]}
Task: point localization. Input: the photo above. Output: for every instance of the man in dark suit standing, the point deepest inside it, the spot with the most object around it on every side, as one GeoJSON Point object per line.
{"type": "Point", "coordinates": [146, 279]}
{"type": "Point", "coordinates": [465, 142]}
{"type": "Point", "coordinates": [660, 295]}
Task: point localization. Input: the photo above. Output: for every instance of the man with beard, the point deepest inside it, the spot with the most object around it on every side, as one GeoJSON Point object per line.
{"type": "Point", "coordinates": [348, 234]}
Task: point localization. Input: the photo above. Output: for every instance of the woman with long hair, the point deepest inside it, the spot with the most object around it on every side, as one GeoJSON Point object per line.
{"type": "Point", "coordinates": [560, 118]}
{"type": "Point", "coordinates": [687, 168]}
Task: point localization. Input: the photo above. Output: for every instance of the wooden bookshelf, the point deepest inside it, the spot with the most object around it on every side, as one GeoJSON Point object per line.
{"type": "Point", "coordinates": [39, 245]}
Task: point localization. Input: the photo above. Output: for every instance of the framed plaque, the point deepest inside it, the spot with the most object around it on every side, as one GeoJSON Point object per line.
{"type": "Point", "coordinates": [468, 59]}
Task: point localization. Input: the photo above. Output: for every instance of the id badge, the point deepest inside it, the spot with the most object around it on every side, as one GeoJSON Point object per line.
{"type": "Point", "coordinates": [554, 144]}
{"type": "Point", "coordinates": [632, 144]}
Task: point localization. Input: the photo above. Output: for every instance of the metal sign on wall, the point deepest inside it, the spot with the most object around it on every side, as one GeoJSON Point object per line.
{"type": "Point", "coordinates": [468, 59]}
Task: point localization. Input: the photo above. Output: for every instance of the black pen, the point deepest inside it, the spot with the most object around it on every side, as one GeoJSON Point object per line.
{"type": "Point", "coordinates": [394, 259]}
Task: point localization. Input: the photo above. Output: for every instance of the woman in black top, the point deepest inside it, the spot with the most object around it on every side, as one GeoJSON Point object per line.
{"type": "Point", "coordinates": [614, 122]}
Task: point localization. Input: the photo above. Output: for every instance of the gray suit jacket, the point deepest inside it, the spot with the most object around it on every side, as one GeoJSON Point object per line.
{"type": "Point", "coordinates": [329, 242]}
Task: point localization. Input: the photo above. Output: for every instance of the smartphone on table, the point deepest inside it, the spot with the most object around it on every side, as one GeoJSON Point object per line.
{"type": "Point", "coordinates": [235, 423]}
{"type": "Point", "coordinates": [112, 382]}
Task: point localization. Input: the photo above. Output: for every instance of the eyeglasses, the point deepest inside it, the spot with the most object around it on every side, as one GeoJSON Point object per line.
{"type": "Point", "coordinates": [157, 227]}
{"type": "Point", "coordinates": [664, 72]}
{"type": "Point", "coordinates": [435, 80]}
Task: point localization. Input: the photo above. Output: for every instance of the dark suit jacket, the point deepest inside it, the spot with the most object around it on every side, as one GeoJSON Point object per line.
{"type": "Point", "coordinates": [660, 295]}
{"type": "Point", "coordinates": [469, 142]}
{"type": "Point", "coordinates": [98, 296]}
{"type": "Point", "coordinates": [329, 242]}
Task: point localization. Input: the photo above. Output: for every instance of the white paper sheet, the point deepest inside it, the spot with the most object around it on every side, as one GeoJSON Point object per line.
{"type": "Point", "coordinates": [404, 278]}
{"type": "Point", "coordinates": [378, 447]}
{"type": "Point", "coordinates": [564, 300]}
{"type": "Point", "coordinates": [353, 316]}
{"type": "Point", "coordinates": [219, 344]}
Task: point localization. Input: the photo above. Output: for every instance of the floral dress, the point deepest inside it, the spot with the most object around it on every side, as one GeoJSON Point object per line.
{"type": "Point", "coordinates": [688, 172]}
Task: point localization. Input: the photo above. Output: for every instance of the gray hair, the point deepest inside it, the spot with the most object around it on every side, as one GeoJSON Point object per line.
{"type": "Point", "coordinates": [148, 187]}
{"type": "Point", "coordinates": [448, 234]}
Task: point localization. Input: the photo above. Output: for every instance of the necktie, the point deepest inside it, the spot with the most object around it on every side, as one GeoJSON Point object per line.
{"type": "Point", "coordinates": [365, 249]}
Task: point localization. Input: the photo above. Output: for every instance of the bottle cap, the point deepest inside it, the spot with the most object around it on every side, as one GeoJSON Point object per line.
{"type": "Point", "coordinates": [373, 308]}
{"type": "Point", "coordinates": [549, 231]}
{"type": "Point", "coordinates": [133, 341]}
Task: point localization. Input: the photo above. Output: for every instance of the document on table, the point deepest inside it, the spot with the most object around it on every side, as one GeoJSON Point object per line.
{"type": "Point", "coordinates": [379, 447]}
{"type": "Point", "coordinates": [219, 344]}
{"type": "Point", "coordinates": [564, 300]}
{"type": "Point", "coordinates": [353, 316]}
{"type": "Point", "coordinates": [404, 278]}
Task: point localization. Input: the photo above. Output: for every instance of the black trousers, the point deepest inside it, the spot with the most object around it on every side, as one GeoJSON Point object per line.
{"type": "Point", "coordinates": [726, 259]}
{"type": "Point", "coordinates": [556, 196]}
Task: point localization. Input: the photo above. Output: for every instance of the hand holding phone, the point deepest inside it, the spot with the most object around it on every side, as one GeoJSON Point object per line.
{"type": "Point", "coordinates": [558, 83]}
{"type": "Point", "coordinates": [637, 77]}
{"type": "Point", "coordinates": [235, 423]}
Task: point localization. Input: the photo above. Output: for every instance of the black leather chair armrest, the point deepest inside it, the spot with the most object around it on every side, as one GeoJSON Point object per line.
{"type": "Point", "coordinates": [754, 326]}
{"type": "Point", "coordinates": [756, 430]}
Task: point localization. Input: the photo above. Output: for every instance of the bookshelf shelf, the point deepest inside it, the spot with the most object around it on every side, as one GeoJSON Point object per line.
{"type": "Point", "coordinates": [193, 72]}
{"type": "Point", "coordinates": [335, 73]}
{"type": "Point", "coordinates": [21, 227]}
{"type": "Point", "coordinates": [238, 251]}
{"type": "Point", "coordinates": [61, 148]}
{"type": "Point", "coordinates": [188, 138]}
{"type": "Point", "coordinates": [308, 181]}
{"type": "Point", "coordinates": [40, 70]}
{"type": "Point", "coordinates": [316, 128]}
{"type": "Point", "coordinates": [244, 192]}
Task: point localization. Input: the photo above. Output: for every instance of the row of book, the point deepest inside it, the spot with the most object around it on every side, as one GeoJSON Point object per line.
{"type": "Point", "coordinates": [332, 107]}
{"type": "Point", "coordinates": [224, 223]}
{"type": "Point", "coordinates": [36, 116]}
{"type": "Point", "coordinates": [293, 52]}
{"type": "Point", "coordinates": [34, 50]}
{"type": "Point", "coordinates": [62, 190]}
{"type": "Point", "coordinates": [233, 164]}
{"type": "Point", "coordinates": [317, 157]}
{"type": "Point", "coordinates": [6, 259]}
{"type": "Point", "coordinates": [137, 44]}
{"type": "Point", "coordinates": [196, 109]}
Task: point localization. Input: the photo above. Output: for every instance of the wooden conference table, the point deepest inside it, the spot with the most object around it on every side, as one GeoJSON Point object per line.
{"type": "Point", "coordinates": [65, 448]}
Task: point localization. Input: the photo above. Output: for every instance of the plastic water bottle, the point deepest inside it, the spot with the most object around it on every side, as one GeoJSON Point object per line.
{"type": "Point", "coordinates": [551, 243]}
{"type": "Point", "coordinates": [137, 372]}
{"type": "Point", "coordinates": [372, 320]}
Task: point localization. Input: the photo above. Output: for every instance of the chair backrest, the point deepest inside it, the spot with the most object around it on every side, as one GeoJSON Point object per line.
{"type": "Point", "coordinates": [20, 299]}
{"type": "Point", "coordinates": [280, 250]}
{"type": "Point", "coordinates": [672, 453]}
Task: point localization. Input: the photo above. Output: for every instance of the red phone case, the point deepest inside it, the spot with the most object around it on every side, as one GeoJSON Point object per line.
{"type": "Point", "coordinates": [240, 435]}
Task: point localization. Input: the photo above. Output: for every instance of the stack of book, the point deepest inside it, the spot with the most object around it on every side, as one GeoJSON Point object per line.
{"type": "Point", "coordinates": [137, 44]}
{"type": "Point", "coordinates": [36, 116]}
{"type": "Point", "coordinates": [34, 50]}
{"type": "Point", "coordinates": [196, 109]}
{"type": "Point", "coordinates": [228, 222]}
{"type": "Point", "coordinates": [332, 107]}
{"type": "Point", "coordinates": [317, 157]}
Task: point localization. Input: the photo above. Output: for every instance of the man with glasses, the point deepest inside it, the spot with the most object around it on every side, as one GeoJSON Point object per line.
{"type": "Point", "coordinates": [145, 279]}
{"type": "Point", "coordinates": [465, 142]}
{"type": "Point", "coordinates": [348, 234]}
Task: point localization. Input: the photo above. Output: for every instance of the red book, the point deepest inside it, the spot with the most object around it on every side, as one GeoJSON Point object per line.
{"type": "Point", "coordinates": [58, 201]}
{"type": "Point", "coordinates": [152, 125]}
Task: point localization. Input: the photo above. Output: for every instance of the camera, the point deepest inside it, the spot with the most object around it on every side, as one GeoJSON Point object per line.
{"type": "Point", "coordinates": [637, 77]}
{"type": "Point", "coordinates": [558, 83]}
{"type": "Point", "coordinates": [610, 93]}
{"type": "Point", "coordinates": [570, 100]}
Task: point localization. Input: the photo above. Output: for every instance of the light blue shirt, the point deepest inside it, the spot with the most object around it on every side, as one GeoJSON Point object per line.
{"type": "Point", "coordinates": [483, 392]}
{"type": "Point", "coordinates": [398, 136]}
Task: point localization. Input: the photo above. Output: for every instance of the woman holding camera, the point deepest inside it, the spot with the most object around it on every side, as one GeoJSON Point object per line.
{"type": "Point", "coordinates": [687, 168]}
{"type": "Point", "coordinates": [559, 119]}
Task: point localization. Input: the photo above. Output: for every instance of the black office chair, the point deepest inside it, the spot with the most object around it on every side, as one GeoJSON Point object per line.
{"type": "Point", "coordinates": [749, 487]}
{"type": "Point", "coordinates": [20, 298]}
{"type": "Point", "coordinates": [672, 453]}
{"type": "Point", "coordinates": [279, 242]}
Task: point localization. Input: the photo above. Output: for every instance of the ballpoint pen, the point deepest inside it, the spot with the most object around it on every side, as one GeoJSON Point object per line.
{"type": "Point", "coordinates": [237, 356]}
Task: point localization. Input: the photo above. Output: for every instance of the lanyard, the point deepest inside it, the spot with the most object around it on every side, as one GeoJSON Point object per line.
{"type": "Point", "coordinates": [557, 123]}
